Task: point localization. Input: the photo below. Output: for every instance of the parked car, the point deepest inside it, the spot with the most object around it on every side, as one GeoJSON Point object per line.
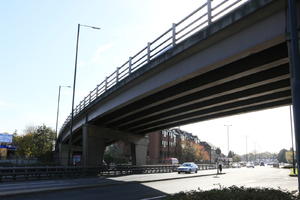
{"type": "Point", "coordinates": [243, 164]}
{"type": "Point", "coordinates": [250, 165]}
{"type": "Point", "coordinates": [188, 167]}
{"type": "Point", "coordinates": [236, 165]}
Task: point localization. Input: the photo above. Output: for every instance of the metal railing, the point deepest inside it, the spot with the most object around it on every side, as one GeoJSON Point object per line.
{"type": "Point", "coordinates": [194, 22]}
{"type": "Point", "coordinates": [30, 173]}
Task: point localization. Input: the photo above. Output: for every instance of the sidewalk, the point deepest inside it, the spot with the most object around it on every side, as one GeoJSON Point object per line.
{"type": "Point", "coordinates": [26, 187]}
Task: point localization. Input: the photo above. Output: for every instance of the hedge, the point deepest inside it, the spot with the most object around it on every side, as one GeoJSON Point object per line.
{"type": "Point", "coordinates": [235, 193]}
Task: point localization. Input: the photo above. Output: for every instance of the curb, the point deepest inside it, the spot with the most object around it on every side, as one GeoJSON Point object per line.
{"type": "Point", "coordinates": [293, 175]}
{"type": "Point", "coordinates": [64, 188]}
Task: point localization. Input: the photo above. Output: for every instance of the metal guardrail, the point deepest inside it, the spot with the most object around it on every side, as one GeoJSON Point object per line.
{"type": "Point", "coordinates": [30, 173]}
{"type": "Point", "coordinates": [26, 173]}
{"type": "Point", "coordinates": [194, 22]}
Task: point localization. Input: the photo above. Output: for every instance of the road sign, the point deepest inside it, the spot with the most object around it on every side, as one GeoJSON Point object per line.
{"type": "Point", "coordinates": [6, 138]}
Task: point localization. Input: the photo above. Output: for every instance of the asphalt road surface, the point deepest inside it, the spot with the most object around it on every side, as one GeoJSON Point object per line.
{"type": "Point", "coordinates": [248, 177]}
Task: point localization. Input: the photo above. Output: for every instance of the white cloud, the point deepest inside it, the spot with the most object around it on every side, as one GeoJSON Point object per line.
{"type": "Point", "coordinates": [96, 59]}
{"type": "Point", "coordinates": [5, 104]}
{"type": "Point", "coordinates": [82, 63]}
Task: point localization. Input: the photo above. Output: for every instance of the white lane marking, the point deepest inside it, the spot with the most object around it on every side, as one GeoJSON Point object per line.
{"type": "Point", "coordinates": [29, 183]}
{"type": "Point", "coordinates": [32, 186]}
{"type": "Point", "coordinates": [158, 197]}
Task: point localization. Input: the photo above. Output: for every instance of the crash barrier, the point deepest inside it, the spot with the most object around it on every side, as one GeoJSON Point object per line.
{"type": "Point", "coordinates": [146, 169]}
{"type": "Point", "coordinates": [31, 173]}
{"type": "Point", "coordinates": [26, 173]}
{"type": "Point", "coordinates": [206, 166]}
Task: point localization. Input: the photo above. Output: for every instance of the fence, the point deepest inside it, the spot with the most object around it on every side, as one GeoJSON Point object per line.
{"type": "Point", "coordinates": [194, 22]}
{"type": "Point", "coordinates": [18, 161]}
{"type": "Point", "coordinates": [30, 173]}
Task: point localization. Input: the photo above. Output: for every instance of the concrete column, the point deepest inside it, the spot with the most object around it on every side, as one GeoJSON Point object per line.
{"type": "Point", "coordinates": [93, 146]}
{"type": "Point", "coordinates": [63, 150]}
{"type": "Point", "coordinates": [133, 154]}
{"type": "Point", "coordinates": [139, 151]}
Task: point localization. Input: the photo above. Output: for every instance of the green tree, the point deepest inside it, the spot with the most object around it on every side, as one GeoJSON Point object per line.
{"type": "Point", "coordinates": [281, 156]}
{"type": "Point", "coordinates": [289, 156]}
{"type": "Point", "coordinates": [114, 154]}
{"type": "Point", "coordinates": [36, 142]}
{"type": "Point", "coordinates": [188, 153]}
{"type": "Point", "coordinates": [230, 154]}
{"type": "Point", "coordinates": [236, 158]}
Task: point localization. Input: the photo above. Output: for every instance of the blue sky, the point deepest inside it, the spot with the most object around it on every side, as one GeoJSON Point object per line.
{"type": "Point", "coordinates": [38, 50]}
{"type": "Point", "coordinates": [37, 47]}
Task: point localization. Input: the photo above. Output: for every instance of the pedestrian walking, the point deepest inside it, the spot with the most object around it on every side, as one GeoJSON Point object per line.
{"type": "Point", "coordinates": [220, 168]}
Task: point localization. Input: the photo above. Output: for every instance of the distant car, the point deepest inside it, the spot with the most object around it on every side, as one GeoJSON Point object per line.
{"type": "Point", "coordinates": [262, 164]}
{"type": "Point", "coordinates": [188, 167]}
{"type": "Point", "coordinates": [243, 164]}
{"type": "Point", "coordinates": [171, 161]}
{"type": "Point", "coordinates": [250, 165]}
{"type": "Point", "coordinates": [236, 165]}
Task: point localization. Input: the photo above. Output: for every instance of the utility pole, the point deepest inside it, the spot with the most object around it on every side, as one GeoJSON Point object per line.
{"type": "Point", "coordinates": [227, 138]}
{"type": "Point", "coordinates": [254, 151]}
{"type": "Point", "coordinates": [246, 149]}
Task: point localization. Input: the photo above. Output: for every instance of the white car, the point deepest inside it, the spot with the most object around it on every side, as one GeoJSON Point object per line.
{"type": "Point", "coordinates": [250, 164]}
{"type": "Point", "coordinates": [236, 165]}
{"type": "Point", "coordinates": [188, 167]}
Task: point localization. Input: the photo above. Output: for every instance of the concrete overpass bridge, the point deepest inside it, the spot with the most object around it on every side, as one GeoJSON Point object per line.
{"type": "Point", "coordinates": [213, 63]}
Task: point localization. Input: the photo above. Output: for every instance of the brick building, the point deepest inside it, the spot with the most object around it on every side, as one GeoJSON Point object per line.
{"type": "Point", "coordinates": [173, 143]}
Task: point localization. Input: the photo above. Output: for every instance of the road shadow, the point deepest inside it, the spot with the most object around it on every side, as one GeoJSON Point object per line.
{"type": "Point", "coordinates": [104, 189]}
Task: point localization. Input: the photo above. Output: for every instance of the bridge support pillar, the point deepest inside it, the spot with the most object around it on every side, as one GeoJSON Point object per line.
{"type": "Point", "coordinates": [93, 146]}
{"type": "Point", "coordinates": [63, 154]}
{"type": "Point", "coordinates": [139, 151]}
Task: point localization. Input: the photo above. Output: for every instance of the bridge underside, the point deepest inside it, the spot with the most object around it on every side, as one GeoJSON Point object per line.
{"type": "Point", "coordinates": [255, 82]}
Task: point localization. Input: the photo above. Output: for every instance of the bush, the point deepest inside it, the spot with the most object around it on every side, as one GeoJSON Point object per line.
{"type": "Point", "coordinates": [235, 193]}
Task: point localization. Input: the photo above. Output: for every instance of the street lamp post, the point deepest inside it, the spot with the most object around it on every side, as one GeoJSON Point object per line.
{"type": "Point", "coordinates": [57, 114]}
{"type": "Point", "coordinates": [246, 148]}
{"type": "Point", "coordinates": [74, 84]}
{"type": "Point", "coordinates": [228, 137]}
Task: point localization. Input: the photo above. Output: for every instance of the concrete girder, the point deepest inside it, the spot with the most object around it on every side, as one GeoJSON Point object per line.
{"type": "Point", "coordinates": [241, 68]}
{"type": "Point", "coordinates": [195, 119]}
{"type": "Point", "coordinates": [198, 99]}
{"type": "Point", "coordinates": [221, 101]}
{"type": "Point", "coordinates": [221, 108]}
{"type": "Point", "coordinates": [203, 94]}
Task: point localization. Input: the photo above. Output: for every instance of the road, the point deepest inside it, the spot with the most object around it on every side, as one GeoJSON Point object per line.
{"type": "Point", "coordinates": [249, 177]}
{"type": "Point", "coordinates": [149, 186]}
